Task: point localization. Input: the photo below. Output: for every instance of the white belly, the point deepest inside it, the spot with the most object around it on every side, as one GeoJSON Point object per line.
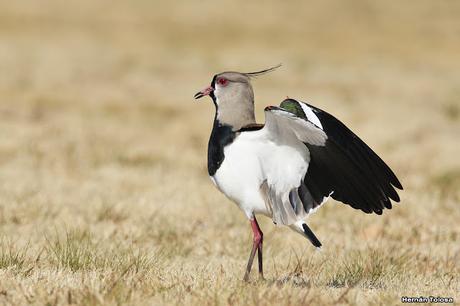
{"type": "Point", "coordinates": [250, 161]}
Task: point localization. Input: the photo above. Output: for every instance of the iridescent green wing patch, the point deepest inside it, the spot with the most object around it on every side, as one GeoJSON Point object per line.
{"type": "Point", "coordinates": [293, 107]}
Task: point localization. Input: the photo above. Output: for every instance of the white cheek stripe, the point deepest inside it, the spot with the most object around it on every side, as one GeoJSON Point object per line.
{"type": "Point", "coordinates": [216, 93]}
{"type": "Point", "coordinates": [310, 115]}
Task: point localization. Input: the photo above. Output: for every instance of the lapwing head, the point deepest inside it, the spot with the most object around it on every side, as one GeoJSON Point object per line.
{"type": "Point", "coordinates": [233, 96]}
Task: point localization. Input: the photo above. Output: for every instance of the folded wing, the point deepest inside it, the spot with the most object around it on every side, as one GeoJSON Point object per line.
{"type": "Point", "coordinates": [286, 163]}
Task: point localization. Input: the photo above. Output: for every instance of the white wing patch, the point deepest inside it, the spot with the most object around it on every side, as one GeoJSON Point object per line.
{"type": "Point", "coordinates": [280, 123]}
{"type": "Point", "coordinates": [311, 116]}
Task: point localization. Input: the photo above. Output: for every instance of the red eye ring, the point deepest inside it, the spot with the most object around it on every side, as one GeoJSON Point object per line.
{"type": "Point", "coordinates": [222, 81]}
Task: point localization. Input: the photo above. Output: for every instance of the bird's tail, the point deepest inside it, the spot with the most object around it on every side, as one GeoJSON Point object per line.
{"type": "Point", "coordinates": [302, 228]}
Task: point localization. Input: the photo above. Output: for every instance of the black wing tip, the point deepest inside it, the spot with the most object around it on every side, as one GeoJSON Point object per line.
{"type": "Point", "coordinates": [387, 205]}
{"type": "Point", "coordinates": [308, 232]}
{"type": "Point", "coordinates": [397, 184]}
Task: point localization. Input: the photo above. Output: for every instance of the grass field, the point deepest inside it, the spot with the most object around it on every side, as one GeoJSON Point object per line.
{"type": "Point", "coordinates": [104, 193]}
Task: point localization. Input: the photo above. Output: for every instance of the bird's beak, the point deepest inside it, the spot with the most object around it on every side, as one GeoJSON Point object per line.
{"type": "Point", "coordinates": [205, 92]}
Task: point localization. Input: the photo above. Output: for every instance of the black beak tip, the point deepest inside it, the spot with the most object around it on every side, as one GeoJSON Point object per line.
{"type": "Point", "coordinates": [198, 95]}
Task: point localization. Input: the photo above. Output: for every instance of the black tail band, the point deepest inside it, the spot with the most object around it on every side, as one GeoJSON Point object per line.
{"type": "Point", "coordinates": [311, 236]}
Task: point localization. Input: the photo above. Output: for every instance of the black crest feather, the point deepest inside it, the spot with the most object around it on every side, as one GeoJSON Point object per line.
{"type": "Point", "coordinates": [261, 72]}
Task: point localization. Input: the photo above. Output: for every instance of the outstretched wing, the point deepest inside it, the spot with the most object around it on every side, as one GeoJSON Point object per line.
{"type": "Point", "coordinates": [343, 167]}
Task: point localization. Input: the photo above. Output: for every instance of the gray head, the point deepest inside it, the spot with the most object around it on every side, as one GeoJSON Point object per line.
{"type": "Point", "coordinates": [233, 97]}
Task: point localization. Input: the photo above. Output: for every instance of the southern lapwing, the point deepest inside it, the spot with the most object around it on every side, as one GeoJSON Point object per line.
{"type": "Point", "coordinates": [287, 168]}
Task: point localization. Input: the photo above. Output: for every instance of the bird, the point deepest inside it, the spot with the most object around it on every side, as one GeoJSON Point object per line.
{"type": "Point", "coordinates": [290, 166]}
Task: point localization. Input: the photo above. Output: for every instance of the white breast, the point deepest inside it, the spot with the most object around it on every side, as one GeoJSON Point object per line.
{"type": "Point", "coordinates": [250, 160]}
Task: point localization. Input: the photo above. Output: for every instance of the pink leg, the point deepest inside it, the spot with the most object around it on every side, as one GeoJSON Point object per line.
{"type": "Point", "coordinates": [256, 246]}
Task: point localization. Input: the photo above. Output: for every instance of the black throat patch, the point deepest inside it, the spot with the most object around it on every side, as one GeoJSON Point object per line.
{"type": "Point", "coordinates": [221, 136]}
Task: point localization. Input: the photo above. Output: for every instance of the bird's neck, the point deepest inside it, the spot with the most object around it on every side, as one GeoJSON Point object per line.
{"type": "Point", "coordinates": [235, 115]}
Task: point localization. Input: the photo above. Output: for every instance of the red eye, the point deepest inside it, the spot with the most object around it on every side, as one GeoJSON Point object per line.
{"type": "Point", "coordinates": [222, 81]}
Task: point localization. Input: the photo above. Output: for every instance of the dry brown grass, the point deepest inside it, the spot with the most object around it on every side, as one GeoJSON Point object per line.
{"type": "Point", "coordinates": [104, 195]}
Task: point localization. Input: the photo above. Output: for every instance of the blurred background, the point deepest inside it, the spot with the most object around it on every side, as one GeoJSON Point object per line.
{"type": "Point", "coordinates": [77, 74]}
{"type": "Point", "coordinates": [99, 130]}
